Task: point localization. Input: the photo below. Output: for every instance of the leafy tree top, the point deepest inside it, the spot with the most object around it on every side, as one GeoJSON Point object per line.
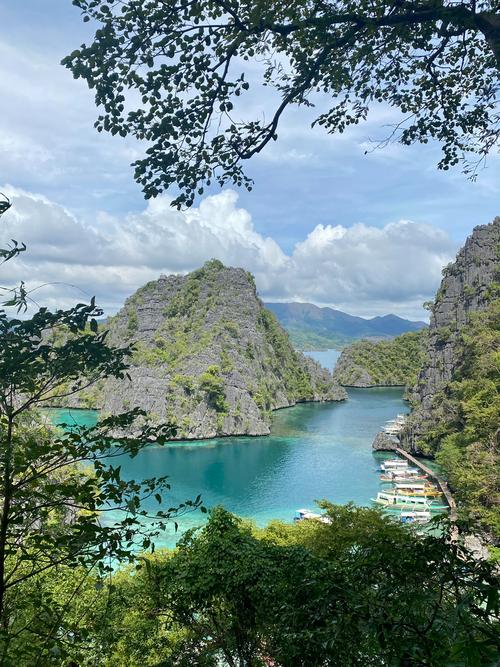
{"type": "Point", "coordinates": [173, 73]}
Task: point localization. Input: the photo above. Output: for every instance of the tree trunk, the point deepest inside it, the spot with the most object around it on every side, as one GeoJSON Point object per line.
{"type": "Point", "coordinates": [6, 492]}
{"type": "Point", "coordinates": [489, 25]}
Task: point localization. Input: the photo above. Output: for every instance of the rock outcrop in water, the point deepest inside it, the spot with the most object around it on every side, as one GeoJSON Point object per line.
{"type": "Point", "coordinates": [384, 443]}
{"type": "Point", "coordinates": [210, 357]}
{"type": "Point", "coordinates": [466, 289]}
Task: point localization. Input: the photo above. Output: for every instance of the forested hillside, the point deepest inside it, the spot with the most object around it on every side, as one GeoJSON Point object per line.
{"type": "Point", "coordinates": [360, 590]}
{"type": "Point", "coordinates": [466, 440]}
{"type": "Point", "coordinates": [394, 362]}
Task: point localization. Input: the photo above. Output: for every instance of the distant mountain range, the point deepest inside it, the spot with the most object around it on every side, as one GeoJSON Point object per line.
{"type": "Point", "coordinates": [314, 328]}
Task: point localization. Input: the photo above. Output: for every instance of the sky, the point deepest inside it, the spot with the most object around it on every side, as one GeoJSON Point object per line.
{"type": "Point", "coordinates": [325, 222]}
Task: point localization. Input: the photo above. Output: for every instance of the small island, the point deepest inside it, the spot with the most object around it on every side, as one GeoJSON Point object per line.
{"type": "Point", "coordinates": [383, 363]}
{"type": "Point", "coordinates": [209, 357]}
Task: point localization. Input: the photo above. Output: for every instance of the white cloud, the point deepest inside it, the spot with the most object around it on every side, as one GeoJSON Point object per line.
{"type": "Point", "coordinates": [361, 269]}
{"type": "Point", "coordinates": [47, 138]}
{"type": "Point", "coordinates": [371, 269]}
{"type": "Point", "coordinates": [48, 144]}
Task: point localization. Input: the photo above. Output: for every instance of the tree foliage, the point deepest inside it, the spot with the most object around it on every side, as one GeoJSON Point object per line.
{"type": "Point", "coordinates": [13, 249]}
{"type": "Point", "coordinates": [395, 362]}
{"type": "Point", "coordinates": [63, 501]}
{"type": "Point", "coordinates": [466, 439]}
{"type": "Point", "coordinates": [174, 73]}
{"type": "Point", "coordinates": [358, 591]}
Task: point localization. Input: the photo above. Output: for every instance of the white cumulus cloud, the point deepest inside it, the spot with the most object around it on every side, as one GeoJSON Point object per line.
{"type": "Point", "coordinates": [362, 269]}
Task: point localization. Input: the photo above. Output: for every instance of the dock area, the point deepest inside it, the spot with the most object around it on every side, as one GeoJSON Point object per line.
{"type": "Point", "coordinates": [441, 483]}
{"type": "Point", "coordinates": [391, 431]}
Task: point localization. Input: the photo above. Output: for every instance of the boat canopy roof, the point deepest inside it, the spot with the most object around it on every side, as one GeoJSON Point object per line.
{"type": "Point", "coordinates": [411, 485]}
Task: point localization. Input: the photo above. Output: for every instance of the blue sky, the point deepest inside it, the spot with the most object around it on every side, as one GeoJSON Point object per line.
{"type": "Point", "coordinates": [324, 222]}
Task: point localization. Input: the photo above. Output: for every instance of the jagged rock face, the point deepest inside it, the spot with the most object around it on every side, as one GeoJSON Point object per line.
{"type": "Point", "coordinates": [210, 357]}
{"type": "Point", "coordinates": [384, 443]}
{"type": "Point", "coordinates": [465, 289]}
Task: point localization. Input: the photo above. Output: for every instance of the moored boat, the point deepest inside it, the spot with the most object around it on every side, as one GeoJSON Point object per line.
{"type": "Point", "coordinates": [432, 495]}
{"type": "Point", "coordinates": [407, 473]}
{"type": "Point", "coordinates": [305, 514]}
{"type": "Point", "coordinates": [417, 489]}
{"type": "Point", "coordinates": [400, 501]}
{"type": "Point", "coordinates": [394, 464]}
{"type": "Point", "coordinates": [400, 476]}
{"type": "Point", "coordinates": [415, 516]}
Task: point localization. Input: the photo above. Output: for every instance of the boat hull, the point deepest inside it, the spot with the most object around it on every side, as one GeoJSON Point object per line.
{"type": "Point", "coordinates": [409, 506]}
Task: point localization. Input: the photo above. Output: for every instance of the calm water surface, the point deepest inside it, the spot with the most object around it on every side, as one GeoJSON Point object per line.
{"type": "Point", "coordinates": [327, 358]}
{"type": "Point", "coordinates": [315, 451]}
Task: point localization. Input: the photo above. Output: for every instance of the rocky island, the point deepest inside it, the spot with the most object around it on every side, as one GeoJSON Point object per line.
{"type": "Point", "coordinates": [209, 357]}
{"type": "Point", "coordinates": [384, 363]}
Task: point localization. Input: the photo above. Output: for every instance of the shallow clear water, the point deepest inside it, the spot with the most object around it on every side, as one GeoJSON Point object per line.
{"type": "Point", "coordinates": [315, 451]}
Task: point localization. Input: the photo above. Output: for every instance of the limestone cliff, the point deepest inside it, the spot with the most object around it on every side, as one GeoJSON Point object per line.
{"type": "Point", "coordinates": [466, 288]}
{"type": "Point", "coordinates": [210, 357]}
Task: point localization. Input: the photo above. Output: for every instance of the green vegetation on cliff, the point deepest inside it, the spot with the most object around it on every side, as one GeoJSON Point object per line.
{"type": "Point", "coordinates": [209, 357]}
{"type": "Point", "coordinates": [285, 362]}
{"type": "Point", "coordinates": [465, 431]}
{"type": "Point", "coordinates": [393, 362]}
{"type": "Point", "coordinates": [456, 401]}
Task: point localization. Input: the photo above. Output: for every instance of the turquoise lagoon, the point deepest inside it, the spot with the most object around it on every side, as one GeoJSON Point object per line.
{"type": "Point", "coordinates": [315, 451]}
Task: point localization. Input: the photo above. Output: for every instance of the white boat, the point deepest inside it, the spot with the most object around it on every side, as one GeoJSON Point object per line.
{"type": "Point", "coordinates": [417, 489]}
{"type": "Point", "coordinates": [398, 500]}
{"type": "Point", "coordinates": [393, 429]}
{"type": "Point", "coordinates": [394, 426]}
{"type": "Point", "coordinates": [412, 500]}
{"type": "Point", "coordinates": [415, 516]}
{"type": "Point", "coordinates": [411, 486]}
{"type": "Point", "coordinates": [394, 464]}
{"type": "Point", "coordinates": [402, 471]}
{"type": "Point", "coordinates": [399, 419]}
{"type": "Point", "coordinates": [306, 514]}
{"type": "Point", "coordinates": [303, 514]}
{"type": "Point", "coordinates": [402, 475]}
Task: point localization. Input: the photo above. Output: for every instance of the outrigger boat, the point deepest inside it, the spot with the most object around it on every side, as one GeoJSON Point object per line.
{"type": "Point", "coordinates": [399, 501]}
{"type": "Point", "coordinates": [417, 489]}
{"type": "Point", "coordinates": [415, 516]}
{"type": "Point", "coordinates": [391, 465]}
{"type": "Point", "coordinates": [432, 494]}
{"type": "Point", "coordinates": [306, 514]}
{"type": "Point", "coordinates": [394, 426]}
{"type": "Point", "coordinates": [407, 473]}
{"type": "Point", "coordinates": [400, 476]}
{"type": "Point", "coordinates": [303, 514]}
